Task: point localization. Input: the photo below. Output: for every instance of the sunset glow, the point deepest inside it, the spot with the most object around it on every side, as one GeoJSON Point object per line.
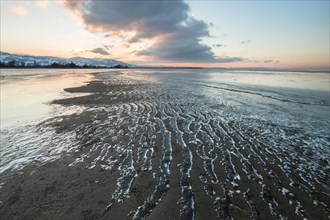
{"type": "Point", "coordinates": [274, 34]}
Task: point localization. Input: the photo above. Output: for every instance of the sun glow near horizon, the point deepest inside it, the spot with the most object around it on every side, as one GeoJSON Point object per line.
{"type": "Point", "coordinates": [185, 33]}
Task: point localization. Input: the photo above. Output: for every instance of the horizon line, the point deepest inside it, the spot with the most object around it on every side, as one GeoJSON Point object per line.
{"type": "Point", "coordinates": [281, 69]}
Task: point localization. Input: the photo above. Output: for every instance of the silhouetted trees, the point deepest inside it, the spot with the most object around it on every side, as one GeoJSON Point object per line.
{"type": "Point", "coordinates": [12, 63]}
{"type": "Point", "coordinates": [21, 64]}
{"type": "Point", "coordinates": [120, 66]}
{"type": "Point", "coordinates": [2, 65]}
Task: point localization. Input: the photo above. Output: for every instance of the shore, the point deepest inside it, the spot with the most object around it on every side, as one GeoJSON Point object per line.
{"type": "Point", "coordinates": [142, 153]}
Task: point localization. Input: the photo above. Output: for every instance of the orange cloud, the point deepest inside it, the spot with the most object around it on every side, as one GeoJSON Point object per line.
{"type": "Point", "coordinates": [19, 10]}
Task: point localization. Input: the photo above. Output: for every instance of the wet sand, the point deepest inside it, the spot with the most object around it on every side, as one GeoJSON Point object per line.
{"type": "Point", "coordinates": [142, 153]}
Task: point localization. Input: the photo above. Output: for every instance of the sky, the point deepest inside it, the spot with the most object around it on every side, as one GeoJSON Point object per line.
{"type": "Point", "coordinates": [274, 34]}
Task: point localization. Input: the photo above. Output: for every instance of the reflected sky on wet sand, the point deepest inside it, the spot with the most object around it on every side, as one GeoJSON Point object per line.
{"type": "Point", "coordinates": [25, 94]}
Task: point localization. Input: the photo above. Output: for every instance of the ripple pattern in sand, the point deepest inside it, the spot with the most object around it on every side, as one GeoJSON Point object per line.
{"type": "Point", "coordinates": [243, 168]}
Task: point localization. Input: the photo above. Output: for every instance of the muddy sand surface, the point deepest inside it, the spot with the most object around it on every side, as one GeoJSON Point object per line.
{"type": "Point", "coordinates": [142, 152]}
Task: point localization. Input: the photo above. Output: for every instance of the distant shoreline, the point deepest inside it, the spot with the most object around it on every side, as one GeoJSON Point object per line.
{"type": "Point", "coordinates": [64, 66]}
{"type": "Point", "coordinates": [164, 67]}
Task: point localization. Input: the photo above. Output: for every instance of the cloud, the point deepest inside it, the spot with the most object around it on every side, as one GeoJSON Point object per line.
{"type": "Point", "coordinates": [270, 61]}
{"type": "Point", "coordinates": [183, 44]}
{"type": "Point", "coordinates": [41, 3]}
{"type": "Point", "coordinates": [90, 52]}
{"type": "Point", "coordinates": [217, 45]}
{"type": "Point", "coordinates": [174, 33]}
{"type": "Point", "coordinates": [108, 46]}
{"type": "Point", "coordinates": [263, 61]}
{"type": "Point", "coordinates": [246, 42]}
{"type": "Point", "coordinates": [229, 59]}
{"type": "Point", "coordinates": [100, 50]}
{"type": "Point", "coordinates": [19, 10]}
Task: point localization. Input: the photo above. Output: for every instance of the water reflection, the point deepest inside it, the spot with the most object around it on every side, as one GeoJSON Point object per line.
{"type": "Point", "coordinates": [292, 80]}
{"type": "Point", "coordinates": [25, 93]}
{"type": "Point", "coordinates": [297, 80]}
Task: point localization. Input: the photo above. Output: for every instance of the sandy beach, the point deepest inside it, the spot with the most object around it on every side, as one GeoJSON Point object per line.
{"type": "Point", "coordinates": [154, 149]}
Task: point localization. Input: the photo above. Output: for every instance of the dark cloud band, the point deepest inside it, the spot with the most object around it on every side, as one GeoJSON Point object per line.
{"type": "Point", "coordinates": [177, 34]}
{"type": "Point", "coordinates": [100, 50]}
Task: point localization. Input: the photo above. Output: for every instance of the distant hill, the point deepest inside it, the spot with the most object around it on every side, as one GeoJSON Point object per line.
{"type": "Point", "coordinates": [15, 60]}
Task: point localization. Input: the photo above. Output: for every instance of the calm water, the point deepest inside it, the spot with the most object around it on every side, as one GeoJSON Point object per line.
{"type": "Point", "coordinates": [25, 94]}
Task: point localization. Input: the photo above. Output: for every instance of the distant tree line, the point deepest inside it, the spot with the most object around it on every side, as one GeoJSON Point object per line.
{"type": "Point", "coordinates": [20, 64]}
